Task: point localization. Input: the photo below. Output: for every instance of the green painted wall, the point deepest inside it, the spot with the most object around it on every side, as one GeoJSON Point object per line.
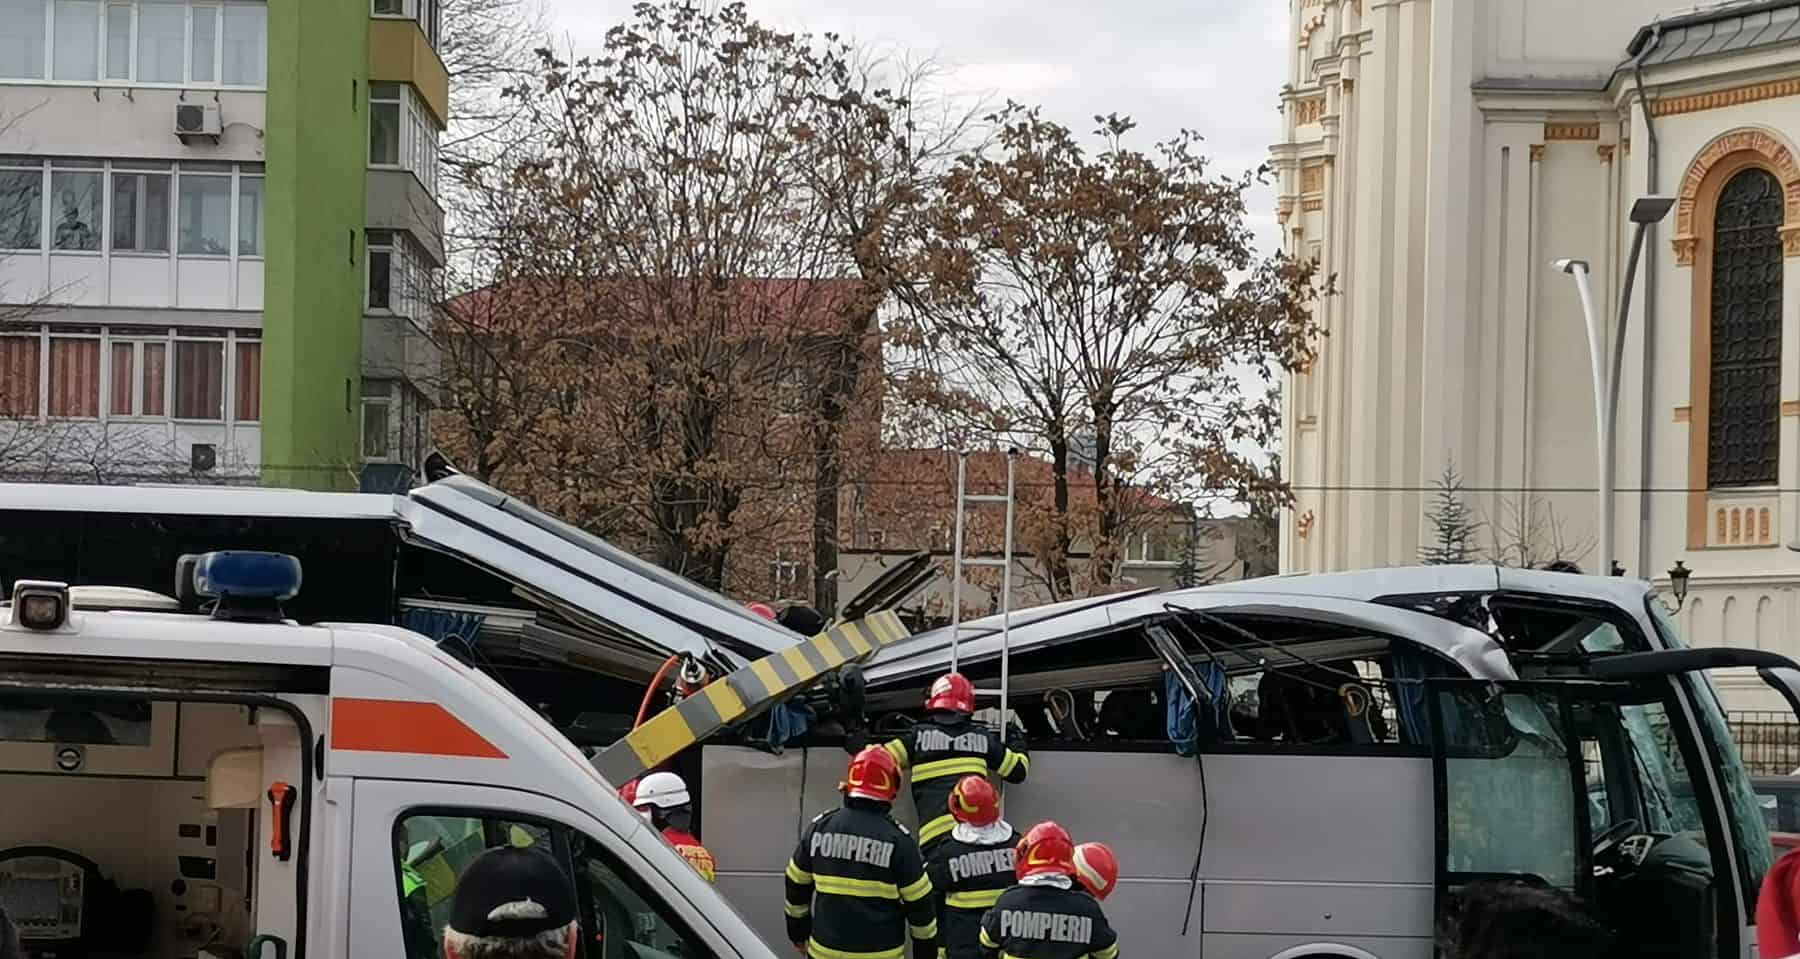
{"type": "Point", "coordinates": [313, 290]}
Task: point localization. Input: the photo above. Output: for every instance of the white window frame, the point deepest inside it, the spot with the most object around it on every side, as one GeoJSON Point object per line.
{"type": "Point", "coordinates": [391, 442]}
{"type": "Point", "coordinates": [419, 149]}
{"type": "Point", "coordinates": [225, 344]}
{"type": "Point", "coordinates": [187, 81]}
{"type": "Point", "coordinates": [371, 246]}
{"type": "Point", "coordinates": [48, 337]}
{"type": "Point", "coordinates": [44, 334]}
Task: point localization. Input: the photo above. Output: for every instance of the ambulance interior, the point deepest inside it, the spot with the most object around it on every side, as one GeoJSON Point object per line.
{"type": "Point", "coordinates": [132, 828]}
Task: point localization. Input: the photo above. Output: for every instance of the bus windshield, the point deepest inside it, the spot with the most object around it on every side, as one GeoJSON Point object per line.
{"type": "Point", "coordinates": [1749, 833]}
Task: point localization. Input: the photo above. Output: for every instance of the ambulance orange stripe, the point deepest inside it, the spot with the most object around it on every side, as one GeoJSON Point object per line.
{"type": "Point", "coordinates": [393, 726]}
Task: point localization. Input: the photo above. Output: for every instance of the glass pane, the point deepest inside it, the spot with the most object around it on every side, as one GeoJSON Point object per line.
{"type": "Point", "coordinates": [140, 212]}
{"type": "Point", "coordinates": [22, 39]}
{"type": "Point", "coordinates": [74, 377]}
{"type": "Point", "coordinates": [431, 853]}
{"type": "Point", "coordinates": [625, 912]}
{"type": "Point", "coordinates": [205, 45]}
{"type": "Point", "coordinates": [205, 215]}
{"type": "Point", "coordinates": [1509, 790]}
{"type": "Point", "coordinates": [376, 444]}
{"type": "Point", "coordinates": [246, 44]}
{"type": "Point", "coordinates": [384, 90]}
{"type": "Point", "coordinates": [156, 379]}
{"type": "Point", "coordinates": [124, 358]}
{"type": "Point", "coordinates": [1745, 412]}
{"type": "Point", "coordinates": [118, 41]}
{"type": "Point", "coordinates": [77, 25]}
{"type": "Point", "coordinates": [162, 39]}
{"type": "Point", "coordinates": [18, 375]}
{"type": "Point", "coordinates": [249, 381]}
{"type": "Point", "coordinates": [77, 207]}
{"type": "Point", "coordinates": [389, 7]}
{"type": "Point", "coordinates": [250, 219]}
{"type": "Point", "coordinates": [380, 262]}
{"type": "Point", "coordinates": [200, 381]}
{"type": "Point", "coordinates": [21, 209]}
{"type": "Point", "coordinates": [384, 133]}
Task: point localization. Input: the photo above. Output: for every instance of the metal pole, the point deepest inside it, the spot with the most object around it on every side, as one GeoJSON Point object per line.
{"type": "Point", "coordinates": [1615, 362]}
{"type": "Point", "coordinates": [1012, 460]}
{"type": "Point", "coordinates": [1598, 357]}
{"type": "Point", "coordinates": [956, 576]}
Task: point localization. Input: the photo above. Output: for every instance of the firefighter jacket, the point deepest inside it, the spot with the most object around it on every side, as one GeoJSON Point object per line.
{"type": "Point", "coordinates": [1047, 922]}
{"type": "Point", "coordinates": [691, 850]}
{"type": "Point", "coordinates": [941, 749]}
{"type": "Point", "coordinates": [969, 870]}
{"type": "Point", "coordinates": [856, 887]}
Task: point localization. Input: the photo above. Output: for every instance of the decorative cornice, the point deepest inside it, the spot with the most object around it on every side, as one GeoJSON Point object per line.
{"type": "Point", "coordinates": [1284, 208]}
{"type": "Point", "coordinates": [1571, 131]}
{"type": "Point", "coordinates": [1312, 204]}
{"type": "Point", "coordinates": [1736, 96]}
{"type": "Point", "coordinates": [1683, 413]}
{"type": "Point", "coordinates": [1605, 150]}
{"type": "Point", "coordinates": [1790, 241]}
{"type": "Point", "coordinates": [1771, 151]}
{"type": "Point", "coordinates": [1537, 152]}
{"type": "Point", "coordinates": [1307, 29]}
{"type": "Point", "coordinates": [1684, 250]}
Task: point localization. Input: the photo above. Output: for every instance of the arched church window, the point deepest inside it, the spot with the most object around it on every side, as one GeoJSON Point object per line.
{"type": "Point", "coordinates": [1744, 416]}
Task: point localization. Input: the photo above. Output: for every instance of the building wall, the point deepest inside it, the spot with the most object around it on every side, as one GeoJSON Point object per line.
{"type": "Point", "coordinates": [1437, 158]}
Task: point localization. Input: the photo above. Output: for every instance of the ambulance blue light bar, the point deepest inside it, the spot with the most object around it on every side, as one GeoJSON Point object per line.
{"type": "Point", "coordinates": [243, 574]}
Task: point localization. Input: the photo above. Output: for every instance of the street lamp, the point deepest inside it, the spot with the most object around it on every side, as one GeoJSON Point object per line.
{"type": "Point", "coordinates": [1678, 583]}
{"type": "Point", "coordinates": [1607, 357]}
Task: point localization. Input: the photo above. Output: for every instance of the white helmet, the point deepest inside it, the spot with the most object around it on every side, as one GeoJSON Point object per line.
{"type": "Point", "coordinates": [662, 790]}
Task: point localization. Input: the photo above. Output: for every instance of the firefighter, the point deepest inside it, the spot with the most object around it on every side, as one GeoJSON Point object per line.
{"type": "Point", "coordinates": [856, 884]}
{"type": "Point", "coordinates": [1097, 869]}
{"type": "Point", "coordinates": [662, 797]}
{"type": "Point", "coordinates": [971, 867]}
{"type": "Point", "coordinates": [947, 745]}
{"type": "Point", "coordinates": [1046, 916]}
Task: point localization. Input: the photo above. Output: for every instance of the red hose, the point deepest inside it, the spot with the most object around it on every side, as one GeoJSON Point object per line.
{"type": "Point", "coordinates": [655, 684]}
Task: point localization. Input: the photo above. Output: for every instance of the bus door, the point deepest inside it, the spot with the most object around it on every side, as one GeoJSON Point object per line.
{"type": "Point", "coordinates": [1598, 788]}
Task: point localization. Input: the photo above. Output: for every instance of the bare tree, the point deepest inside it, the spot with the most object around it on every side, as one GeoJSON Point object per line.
{"type": "Point", "coordinates": [1108, 310]}
{"type": "Point", "coordinates": [1528, 533]}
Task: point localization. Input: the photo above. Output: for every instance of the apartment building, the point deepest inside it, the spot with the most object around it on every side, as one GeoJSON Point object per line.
{"type": "Point", "coordinates": [218, 221]}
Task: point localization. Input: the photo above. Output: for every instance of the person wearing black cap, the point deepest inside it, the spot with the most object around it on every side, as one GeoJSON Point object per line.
{"type": "Point", "coordinates": [512, 903]}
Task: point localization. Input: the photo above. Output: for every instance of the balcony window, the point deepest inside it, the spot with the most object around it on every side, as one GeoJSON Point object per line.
{"type": "Point", "coordinates": [200, 379]}
{"type": "Point", "coordinates": [23, 40]}
{"type": "Point", "coordinates": [76, 206]}
{"type": "Point", "coordinates": [429, 14]}
{"type": "Point", "coordinates": [248, 381]}
{"type": "Point", "coordinates": [75, 376]}
{"type": "Point", "coordinates": [118, 41]}
{"type": "Point", "coordinates": [384, 124]}
{"type": "Point", "coordinates": [161, 41]}
{"type": "Point", "coordinates": [21, 204]}
{"type": "Point", "coordinates": [77, 34]}
{"type": "Point", "coordinates": [140, 212]}
{"type": "Point", "coordinates": [203, 46]}
{"type": "Point", "coordinates": [205, 218]}
{"type": "Point", "coordinates": [246, 44]}
{"type": "Point", "coordinates": [18, 375]}
{"type": "Point", "coordinates": [250, 216]}
{"type": "Point", "coordinates": [377, 420]}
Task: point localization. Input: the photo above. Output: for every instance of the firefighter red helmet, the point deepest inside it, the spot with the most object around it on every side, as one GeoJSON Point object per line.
{"type": "Point", "coordinates": [762, 609]}
{"type": "Point", "coordinates": [874, 774]}
{"type": "Point", "coordinates": [1047, 848]}
{"type": "Point", "coordinates": [1096, 868]}
{"type": "Point", "coordinates": [954, 692]}
{"type": "Point", "coordinates": [975, 801]}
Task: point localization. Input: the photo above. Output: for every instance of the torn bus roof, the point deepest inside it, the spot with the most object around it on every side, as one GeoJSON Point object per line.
{"type": "Point", "coordinates": [745, 694]}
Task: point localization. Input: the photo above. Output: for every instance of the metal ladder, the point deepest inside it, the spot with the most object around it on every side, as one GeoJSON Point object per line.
{"type": "Point", "coordinates": [963, 501]}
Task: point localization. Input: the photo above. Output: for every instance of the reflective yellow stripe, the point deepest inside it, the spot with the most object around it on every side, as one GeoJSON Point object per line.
{"type": "Point", "coordinates": [897, 749]}
{"type": "Point", "coordinates": [936, 828]}
{"type": "Point", "coordinates": [1110, 952]}
{"type": "Point", "coordinates": [981, 899]}
{"type": "Point", "coordinates": [797, 912]}
{"type": "Point", "coordinates": [960, 766]}
{"type": "Point", "coordinates": [988, 940]}
{"type": "Point", "coordinates": [917, 889]}
{"type": "Point", "coordinates": [927, 931]}
{"type": "Point", "coordinates": [1014, 761]}
{"type": "Point", "coordinates": [864, 888]}
{"type": "Point", "coordinates": [799, 875]}
{"type": "Point", "coordinates": [817, 951]}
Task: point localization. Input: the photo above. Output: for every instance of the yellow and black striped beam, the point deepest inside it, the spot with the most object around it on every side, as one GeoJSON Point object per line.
{"type": "Point", "coordinates": [744, 694]}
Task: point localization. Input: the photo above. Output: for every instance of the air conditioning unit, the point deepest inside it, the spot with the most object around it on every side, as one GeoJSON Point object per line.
{"type": "Point", "coordinates": [197, 120]}
{"type": "Point", "coordinates": [203, 457]}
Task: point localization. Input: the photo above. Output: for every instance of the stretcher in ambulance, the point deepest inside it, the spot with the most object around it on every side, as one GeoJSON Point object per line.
{"type": "Point", "coordinates": [232, 784]}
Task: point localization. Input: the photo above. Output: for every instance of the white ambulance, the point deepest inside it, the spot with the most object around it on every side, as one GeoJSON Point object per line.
{"type": "Point", "coordinates": [234, 784]}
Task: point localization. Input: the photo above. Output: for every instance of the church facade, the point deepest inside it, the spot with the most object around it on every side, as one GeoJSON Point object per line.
{"type": "Point", "coordinates": [1437, 156]}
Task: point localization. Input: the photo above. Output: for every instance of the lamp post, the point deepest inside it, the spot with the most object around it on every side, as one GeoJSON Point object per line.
{"type": "Point", "coordinates": [1606, 357]}
{"type": "Point", "coordinates": [1678, 583]}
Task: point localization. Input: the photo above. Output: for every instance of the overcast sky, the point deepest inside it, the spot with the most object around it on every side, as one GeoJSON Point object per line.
{"type": "Point", "coordinates": [1214, 66]}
